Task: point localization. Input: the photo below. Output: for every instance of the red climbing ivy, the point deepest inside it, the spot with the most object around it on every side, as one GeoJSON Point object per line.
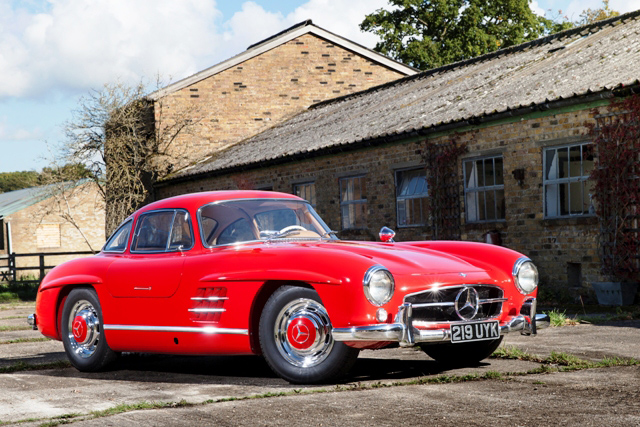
{"type": "Point", "coordinates": [616, 179]}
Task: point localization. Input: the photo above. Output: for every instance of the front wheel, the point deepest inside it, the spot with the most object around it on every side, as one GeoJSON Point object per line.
{"type": "Point", "coordinates": [462, 354]}
{"type": "Point", "coordinates": [296, 340]}
{"type": "Point", "coordinates": [82, 331]}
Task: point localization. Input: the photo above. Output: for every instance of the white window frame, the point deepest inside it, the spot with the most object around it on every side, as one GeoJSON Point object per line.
{"type": "Point", "coordinates": [346, 204]}
{"type": "Point", "coordinates": [308, 186]}
{"type": "Point", "coordinates": [422, 197]}
{"type": "Point", "coordinates": [548, 183]}
{"type": "Point", "coordinates": [472, 210]}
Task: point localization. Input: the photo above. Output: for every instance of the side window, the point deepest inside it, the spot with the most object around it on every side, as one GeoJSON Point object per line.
{"type": "Point", "coordinates": [162, 231]}
{"type": "Point", "coordinates": [353, 203]}
{"type": "Point", "coordinates": [119, 239]}
{"type": "Point", "coordinates": [484, 190]}
{"type": "Point", "coordinates": [181, 236]}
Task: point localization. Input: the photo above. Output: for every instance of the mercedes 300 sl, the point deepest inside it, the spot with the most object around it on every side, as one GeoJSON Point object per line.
{"type": "Point", "coordinates": [254, 272]}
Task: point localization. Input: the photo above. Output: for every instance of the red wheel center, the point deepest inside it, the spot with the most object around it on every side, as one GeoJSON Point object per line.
{"type": "Point", "coordinates": [301, 333]}
{"type": "Point", "coordinates": [79, 329]}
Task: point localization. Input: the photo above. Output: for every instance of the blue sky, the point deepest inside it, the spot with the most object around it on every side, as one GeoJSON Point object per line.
{"type": "Point", "coordinates": [54, 51]}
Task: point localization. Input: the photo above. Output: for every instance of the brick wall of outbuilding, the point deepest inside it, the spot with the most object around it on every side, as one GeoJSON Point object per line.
{"type": "Point", "coordinates": [87, 209]}
{"type": "Point", "coordinates": [250, 97]}
{"type": "Point", "coordinates": [555, 245]}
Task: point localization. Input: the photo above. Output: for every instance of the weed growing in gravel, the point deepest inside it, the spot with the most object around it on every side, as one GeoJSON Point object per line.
{"type": "Point", "coordinates": [23, 340]}
{"type": "Point", "coordinates": [557, 318]}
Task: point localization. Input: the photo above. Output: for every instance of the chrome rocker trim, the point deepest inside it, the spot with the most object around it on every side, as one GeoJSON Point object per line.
{"type": "Point", "coordinates": [209, 330]}
{"type": "Point", "coordinates": [403, 331]}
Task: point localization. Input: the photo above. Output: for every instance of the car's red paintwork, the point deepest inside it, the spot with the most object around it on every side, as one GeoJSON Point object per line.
{"type": "Point", "coordinates": [249, 273]}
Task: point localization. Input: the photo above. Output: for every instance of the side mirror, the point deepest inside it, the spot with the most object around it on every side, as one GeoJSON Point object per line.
{"type": "Point", "coordinates": [387, 235]}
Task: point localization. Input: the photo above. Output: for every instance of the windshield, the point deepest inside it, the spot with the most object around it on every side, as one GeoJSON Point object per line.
{"type": "Point", "coordinates": [236, 221]}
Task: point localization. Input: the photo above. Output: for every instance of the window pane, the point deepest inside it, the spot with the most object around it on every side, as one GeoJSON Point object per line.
{"type": "Point", "coordinates": [152, 231]}
{"type": "Point", "coordinates": [472, 207]}
{"type": "Point", "coordinates": [499, 174]}
{"type": "Point", "coordinates": [481, 207]}
{"type": "Point", "coordinates": [180, 232]}
{"type": "Point", "coordinates": [575, 198]}
{"type": "Point", "coordinates": [488, 172]}
{"type": "Point", "coordinates": [551, 200]}
{"type": "Point", "coordinates": [564, 198]}
{"type": "Point", "coordinates": [588, 188]}
{"type": "Point", "coordinates": [480, 173]}
{"type": "Point", "coordinates": [469, 175]}
{"type": "Point", "coordinates": [500, 214]}
{"type": "Point", "coordinates": [402, 212]}
{"type": "Point", "coordinates": [551, 164]}
{"type": "Point", "coordinates": [587, 159]}
{"type": "Point", "coordinates": [575, 161]}
{"type": "Point", "coordinates": [119, 240]}
{"type": "Point", "coordinates": [563, 163]}
{"type": "Point", "coordinates": [491, 205]}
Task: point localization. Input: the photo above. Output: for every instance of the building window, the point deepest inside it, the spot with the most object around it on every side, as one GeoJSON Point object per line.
{"type": "Point", "coordinates": [412, 205]}
{"type": "Point", "coordinates": [484, 189]}
{"type": "Point", "coordinates": [353, 202]}
{"type": "Point", "coordinates": [306, 191]}
{"type": "Point", "coordinates": [567, 188]}
{"type": "Point", "coordinates": [48, 236]}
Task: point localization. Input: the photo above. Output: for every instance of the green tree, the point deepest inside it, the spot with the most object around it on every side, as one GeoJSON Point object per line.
{"type": "Point", "coordinates": [10, 181]}
{"type": "Point", "coordinates": [590, 16]}
{"type": "Point", "coordinates": [431, 33]}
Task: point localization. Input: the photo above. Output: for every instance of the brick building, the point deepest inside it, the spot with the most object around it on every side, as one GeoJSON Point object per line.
{"type": "Point", "coordinates": [269, 82]}
{"type": "Point", "coordinates": [521, 111]}
{"type": "Point", "coordinates": [32, 221]}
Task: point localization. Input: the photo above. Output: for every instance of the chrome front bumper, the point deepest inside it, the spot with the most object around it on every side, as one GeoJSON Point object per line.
{"type": "Point", "coordinates": [403, 331]}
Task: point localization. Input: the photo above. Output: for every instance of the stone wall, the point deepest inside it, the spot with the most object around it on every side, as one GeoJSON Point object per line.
{"type": "Point", "coordinates": [250, 97]}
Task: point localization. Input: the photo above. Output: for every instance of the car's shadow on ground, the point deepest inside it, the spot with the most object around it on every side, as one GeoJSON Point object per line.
{"type": "Point", "coordinates": [241, 370]}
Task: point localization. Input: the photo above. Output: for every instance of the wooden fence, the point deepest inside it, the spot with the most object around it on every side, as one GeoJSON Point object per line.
{"type": "Point", "coordinates": [9, 269]}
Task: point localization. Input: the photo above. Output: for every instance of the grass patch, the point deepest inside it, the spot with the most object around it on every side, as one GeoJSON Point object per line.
{"type": "Point", "coordinates": [557, 317]}
{"type": "Point", "coordinates": [14, 328]}
{"type": "Point", "coordinates": [21, 290]}
{"type": "Point", "coordinates": [513, 352]}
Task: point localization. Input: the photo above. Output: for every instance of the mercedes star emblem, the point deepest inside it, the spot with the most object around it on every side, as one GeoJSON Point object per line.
{"type": "Point", "coordinates": [467, 303]}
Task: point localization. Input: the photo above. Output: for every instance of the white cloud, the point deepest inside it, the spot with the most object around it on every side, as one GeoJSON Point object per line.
{"type": "Point", "coordinates": [576, 7]}
{"type": "Point", "coordinates": [78, 44]}
{"type": "Point", "coordinates": [74, 45]}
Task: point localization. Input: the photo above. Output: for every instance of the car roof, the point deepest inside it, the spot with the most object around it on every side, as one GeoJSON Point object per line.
{"type": "Point", "coordinates": [193, 201]}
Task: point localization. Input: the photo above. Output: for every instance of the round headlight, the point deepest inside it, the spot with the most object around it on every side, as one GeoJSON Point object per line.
{"type": "Point", "coordinates": [378, 285]}
{"type": "Point", "coordinates": [525, 274]}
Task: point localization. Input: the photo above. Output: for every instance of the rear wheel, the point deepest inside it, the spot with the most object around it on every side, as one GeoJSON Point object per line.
{"type": "Point", "coordinates": [462, 354]}
{"type": "Point", "coordinates": [296, 340]}
{"type": "Point", "coordinates": [82, 331]}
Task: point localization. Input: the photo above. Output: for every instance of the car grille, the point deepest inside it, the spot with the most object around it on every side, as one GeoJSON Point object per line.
{"type": "Point", "coordinates": [208, 304]}
{"type": "Point", "coordinates": [438, 305]}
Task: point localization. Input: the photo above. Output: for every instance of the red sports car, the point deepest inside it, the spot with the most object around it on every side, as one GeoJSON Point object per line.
{"type": "Point", "coordinates": [253, 272]}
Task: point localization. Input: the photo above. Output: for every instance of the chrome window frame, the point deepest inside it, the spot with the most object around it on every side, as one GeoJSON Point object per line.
{"type": "Point", "coordinates": [219, 202]}
{"type": "Point", "coordinates": [569, 180]}
{"type": "Point", "coordinates": [175, 212]}
{"type": "Point", "coordinates": [426, 197]}
{"type": "Point", "coordinates": [483, 189]}
{"type": "Point", "coordinates": [124, 223]}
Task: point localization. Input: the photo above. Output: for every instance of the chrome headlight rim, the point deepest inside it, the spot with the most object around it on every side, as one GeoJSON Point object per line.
{"type": "Point", "coordinates": [366, 282]}
{"type": "Point", "coordinates": [517, 269]}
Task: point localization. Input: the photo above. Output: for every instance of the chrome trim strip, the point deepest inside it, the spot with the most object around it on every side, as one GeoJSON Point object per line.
{"type": "Point", "coordinates": [209, 298]}
{"type": "Point", "coordinates": [138, 288]}
{"type": "Point", "coordinates": [209, 330]}
{"type": "Point", "coordinates": [492, 300]}
{"type": "Point", "coordinates": [207, 310]}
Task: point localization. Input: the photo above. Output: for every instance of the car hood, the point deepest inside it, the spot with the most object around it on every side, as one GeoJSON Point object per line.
{"type": "Point", "coordinates": [403, 259]}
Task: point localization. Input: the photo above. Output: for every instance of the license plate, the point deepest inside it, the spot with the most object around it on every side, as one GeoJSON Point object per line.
{"type": "Point", "coordinates": [478, 331]}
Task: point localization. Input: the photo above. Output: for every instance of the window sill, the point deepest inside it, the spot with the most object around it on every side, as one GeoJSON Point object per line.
{"type": "Point", "coordinates": [571, 220]}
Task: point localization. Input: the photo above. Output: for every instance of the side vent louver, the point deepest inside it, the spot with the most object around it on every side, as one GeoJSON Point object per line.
{"type": "Point", "coordinates": [208, 304]}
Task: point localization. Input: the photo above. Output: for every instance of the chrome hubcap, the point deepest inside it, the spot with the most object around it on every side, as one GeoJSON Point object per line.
{"type": "Point", "coordinates": [303, 333]}
{"type": "Point", "coordinates": [84, 329]}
